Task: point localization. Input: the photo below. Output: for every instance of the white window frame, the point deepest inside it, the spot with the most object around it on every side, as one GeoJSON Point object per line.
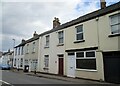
{"type": "Point", "coordinates": [22, 50]}
{"type": "Point", "coordinates": [86, 58]}
{"type": "Point", "coordinates": [27, 48]}
{"type": "Point", "coordinates": [21, 62]}
{"type": "Point", "coordinates": [47, 42]}
{"type": "Point", "coordinates": [46, 59]}
{"type": "Point", "coordinates": [61, 37]}
{"type": "Point", "coordinates": [19, 50]}
{"type": "Point", "coordinates": [26, 62]}
{"type": "Point", "coordinates": [15, 51]}
{"type": "Point", "coordinates": [118, 23]}
{"type": "Point", "coordinates": [15, 62]}
{"type": "Point", "coordinates": [34, 45]}
{"type": "Point", "coordinates": [79, 32]}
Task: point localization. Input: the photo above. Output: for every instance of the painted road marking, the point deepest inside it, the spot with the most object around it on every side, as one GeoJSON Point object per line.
{"type": "Point", "coordinates": [5, 82]}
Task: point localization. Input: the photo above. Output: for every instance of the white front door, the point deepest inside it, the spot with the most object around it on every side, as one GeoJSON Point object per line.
{"type": "Point", "coordinates": [71, 66]}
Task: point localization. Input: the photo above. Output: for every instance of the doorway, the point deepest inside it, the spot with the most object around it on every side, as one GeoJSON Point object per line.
{"type": "Point", "coordinates": [61, 66]}
{"type": "Point", "coordinates": [71, 65]}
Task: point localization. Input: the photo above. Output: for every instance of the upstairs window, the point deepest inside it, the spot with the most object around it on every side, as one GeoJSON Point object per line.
{"type": "Point", "coordinates": [15, 51]}
{"type": "Point", "coordinates": [79, 32]}
{"type": "Point", "coordinates": [33, 46]}
{"type": "Point", "coordinates": [21, 62]}
{"type": "Point", "coordinates": [47, 40]}
{"type": "Point", "coordinates": [115, 24]}
{"type": "Point", "coordinates": [19, 51]}
{"type": "Point", "coordinates": [61, 37]}
{"type": "Point", "coordinates": [22, 50]}
{"type": "Point", "coordinates": [27, 51]}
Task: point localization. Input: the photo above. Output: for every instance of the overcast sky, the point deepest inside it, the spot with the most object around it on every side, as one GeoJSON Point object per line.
{"type": "Point", "coordinates": [20, 18]}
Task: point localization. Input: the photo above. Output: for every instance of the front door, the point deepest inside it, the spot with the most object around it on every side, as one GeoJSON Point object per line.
{"type": "Point", "coordinates": [61, 67]}
{"type": "Point", "coordinates": [71, 65]}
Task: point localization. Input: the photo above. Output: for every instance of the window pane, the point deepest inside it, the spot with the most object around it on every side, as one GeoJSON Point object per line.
{"type": "Point", "coordinates": [60, 40]}
{"type": "Point", "coordinates": [80, 54]}
{"type": "Point", "coordinates": [86, 64]}
{"type": "Point", "coordinates": [71, 54]}
{"type": "Point", "coordinates": [80, 36]}
{"type": "Point", "coordinates": [60, 34]}
{"type": "Point", "coordinates": [46, 60]}
{"type": "Point", "coordinates": [90, 54]}
{"type": "Point", "coordinates": [47, 38]}
{"type": "Point", "coordinates": [46, 55]}
{"type": "Point", "coordinates": [119, 18]}
{"type": "Point", "coordinates": [119, 28]}
{"type": "Point", "coordinates": [114, 19]}
{"type": "Point", "coordinates": [114, 29]}
{"type": "Point", "coordinates": [79, 28]}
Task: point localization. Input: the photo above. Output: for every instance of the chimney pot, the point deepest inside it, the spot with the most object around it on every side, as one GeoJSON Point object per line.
{"type": "Point", "coordinates": [9, 50]}
{"type": "Point", "coordinates": [56, 22]}
{"type": "Point", "coordinates": [35, 34]}
{"type": "Point", "coordinates": [103, 4]}
{"type": "Point", "coordinates": [23, 40]}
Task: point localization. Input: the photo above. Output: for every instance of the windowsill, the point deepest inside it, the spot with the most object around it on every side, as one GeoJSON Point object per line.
{"type": "Point", "coordinates": [60, 44]}
{"type": "Point", "coordinates": [33, 52]}
{"type": "Point", "coordinates": [46, 68]}
{"type": "Point", "coordinates": [114, 35]}
{"type": "Point", "coordinates": [46, 47]}
{"type": "Point", "coordinates": [79, 41]}
{"type": "Point", "coordinates": [87, 70]}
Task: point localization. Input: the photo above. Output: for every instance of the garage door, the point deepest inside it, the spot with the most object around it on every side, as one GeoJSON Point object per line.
{"type": "Point", "coordinates": [112, 66]}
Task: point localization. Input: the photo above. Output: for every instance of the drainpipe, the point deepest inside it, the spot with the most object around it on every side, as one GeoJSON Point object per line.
{"type": "Point", "coordinates": [97, 20]}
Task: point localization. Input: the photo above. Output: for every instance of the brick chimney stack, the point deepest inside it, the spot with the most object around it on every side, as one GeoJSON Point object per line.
{"type": "Point", "coordinates": [56, 22]}
{"type": "Point", "coordinates": [102, 4]}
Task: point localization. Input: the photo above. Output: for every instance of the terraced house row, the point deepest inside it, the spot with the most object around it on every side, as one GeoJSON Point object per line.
{"type": "Point", "coordinates": [87, 47]}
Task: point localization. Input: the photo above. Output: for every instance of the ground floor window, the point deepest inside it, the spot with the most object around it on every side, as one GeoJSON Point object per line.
{"type": "Point", "coordinates": [34, 64]}
{"type": "Point", "coordinates": [21, 62]}
{"type": "Point", "coordinates": [86, 60]}
{"type": "Point", "coordinates": [15, 62]}
{"type": "Point", "coordinates": [46, 61]}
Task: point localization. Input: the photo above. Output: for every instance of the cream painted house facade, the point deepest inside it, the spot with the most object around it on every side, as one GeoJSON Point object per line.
{"type": "Point", "coordinates": [93, 50]}
{"type": "Point", "coordinates": [90, 42]}
{"type": "Point", "coordinates": [18, 61]}
{"type": "Point", "coordinates": [26, 54]}
{"type": "Point", "coordinates": [52, 52]}
{"type": "Point", "coordinates": [31, 53]}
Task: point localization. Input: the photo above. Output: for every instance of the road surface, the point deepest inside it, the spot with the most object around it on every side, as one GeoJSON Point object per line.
{"type": "Point", "coordinates": [19, 78]}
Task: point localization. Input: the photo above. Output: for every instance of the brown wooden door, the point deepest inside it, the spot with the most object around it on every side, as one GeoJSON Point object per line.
{"type": "Point", "coordinates": [61, 66]}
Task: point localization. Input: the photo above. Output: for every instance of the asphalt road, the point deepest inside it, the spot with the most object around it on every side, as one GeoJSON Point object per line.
{"type": "Point", "coordinates": [18, 78]}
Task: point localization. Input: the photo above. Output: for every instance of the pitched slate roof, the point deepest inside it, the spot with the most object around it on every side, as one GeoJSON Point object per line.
{"type": "Point", "coordinates": [27, 41]}
{"type": "Point", "coordinates": [83, 18]}
{"type": "Point", "coordinates": [86, 17]}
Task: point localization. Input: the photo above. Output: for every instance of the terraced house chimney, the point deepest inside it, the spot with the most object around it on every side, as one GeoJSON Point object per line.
{"type": "Point", "coordinates": [22, 41]}
{"type": "Point", "coordinates": [102, 4]}
{"type": "Point", "coordinates": [56, 22]}
{"type": "Point", "coordinates": [35, 34]}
